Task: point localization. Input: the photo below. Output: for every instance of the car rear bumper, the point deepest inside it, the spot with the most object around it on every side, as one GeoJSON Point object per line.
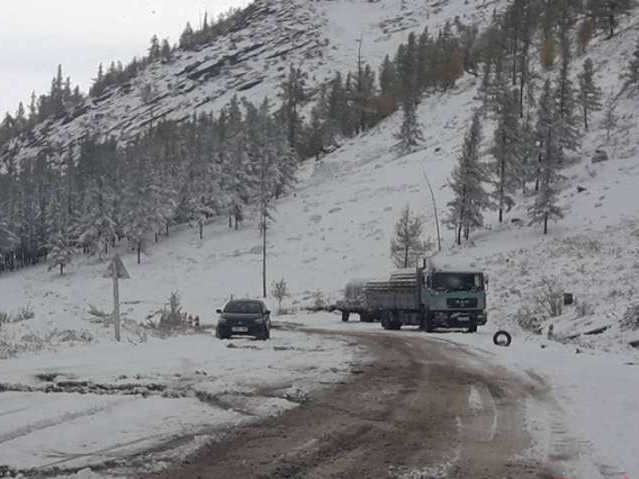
{"type": "Point", "coordinates": [243, 330]}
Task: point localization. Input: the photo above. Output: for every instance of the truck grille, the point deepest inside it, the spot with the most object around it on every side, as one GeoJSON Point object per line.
{"type": "Point", "coordinates": [461, 303]}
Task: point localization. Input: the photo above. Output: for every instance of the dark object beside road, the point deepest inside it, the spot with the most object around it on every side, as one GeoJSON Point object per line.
{"type": "Point", "coordinates": [502, 338]}
{"type": "Point", "coordinates": [600, 156]}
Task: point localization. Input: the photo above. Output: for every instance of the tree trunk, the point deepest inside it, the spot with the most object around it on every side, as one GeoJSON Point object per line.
{"type": "Point", "coordinates": [502, 179]}
{"type": "Point", "coordinates": [167, 229]}
{"type": "Point", "coordinates": [264, 256]}
{"type": "Point", "coordinates": [459, 232]}
{"type": "Point", "coordinates": [586, 118]}
{"type": "Point", "coordinates": [139, 250]}
{"type": "Point", "coordinates": [546, 224]}
{"type": "Point", "coordinates": [231, 221]}
{"type": "Point", "coordinates": [61, 269]}
{"type": "Point", "coordinates": [201, 226]}
{"type": "Point", "coordinates": [611, 20]}
{"type": "Point", "coordinates": [237, 222]}
{"type": "Point", "coordinates": [406, 256]}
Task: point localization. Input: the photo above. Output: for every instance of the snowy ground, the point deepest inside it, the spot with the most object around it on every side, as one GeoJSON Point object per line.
{"type": "Point", "coordinates": [89, 405]}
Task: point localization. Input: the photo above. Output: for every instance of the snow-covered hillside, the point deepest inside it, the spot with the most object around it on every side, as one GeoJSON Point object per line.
{"type": "Point", "coordinates": [251, 61]}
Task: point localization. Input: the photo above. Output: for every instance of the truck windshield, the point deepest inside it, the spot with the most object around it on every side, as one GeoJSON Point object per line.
{"type": "Point", "coordinates": [457, 282]}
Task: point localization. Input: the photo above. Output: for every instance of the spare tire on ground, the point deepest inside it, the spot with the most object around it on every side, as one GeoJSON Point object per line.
{"type": "Point", "coordinates": [502, 338]}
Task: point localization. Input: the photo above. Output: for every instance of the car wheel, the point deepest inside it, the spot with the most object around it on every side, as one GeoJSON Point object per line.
{"type": "Point", "coordinates": [345, 315]}
{"type": "Point", "coordinates": [264, 334]}
{"type": "Point", "coordinates": [387, 320]}
{"type": "Point", "coordinates": [222, 334]}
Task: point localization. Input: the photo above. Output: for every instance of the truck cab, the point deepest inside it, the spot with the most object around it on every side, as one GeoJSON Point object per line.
{"type": "Point", "coordinates": [454, 299]}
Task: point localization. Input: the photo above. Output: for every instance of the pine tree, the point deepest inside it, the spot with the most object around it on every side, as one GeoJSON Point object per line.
{"type": "Point", "coordinates": [186, 38]}
{"type": "Point", "coordinates": [61, 252]}
{"type": "Point", "coordinates": [506, 167]}
{"type": "Point", "coordinates": [566, 101]}
{"type": "Point", "coordinates": [137, 200]}
{"type": "Point", "coordinates": [410, 133]}
{"type": "Point", "coordinates": [293, 94]}
{"type": "Point", "coordinates": [165, 52]}
{"type": "Point", "coordinates": [316, 134]}
{"type": "Point", "coordinates": [61, 218]}
{"type": "Point", "coordinates": [631, 75]}
{"type": "Point", "coordinates": [545, 206]}
{"type": "Point", "coordinates": [8, 240]}
{"type": "Point", "coordinates": [467, 179]}
{"type": "Point", "coordinates": [406, 65]}
{"type": "Point", "coordinates": [610, 116]}
{"type": "Point", "coordinates": [266, 166]}
{"type": "Point", "coordinates": [388, 78]}
{"type": "Point", "coordinates": [606, 13]}
{"type": "Point", "coordinates": [336, 110]}
{"type": "Point", "coordinates": [237, 175]}
{"type": "Point", "coordinates": [407, 247]}
{"type": "Point", "coordinates": [589, 93]}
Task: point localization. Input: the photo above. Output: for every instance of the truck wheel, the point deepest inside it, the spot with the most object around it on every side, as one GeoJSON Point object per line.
{"type": "Point", "coordinates": [364, 318]}
{"type": "Point", "coordinates": [387, 320]}
{"type": "Point", "coordinates": [473, 327]}
{"type": "Point", "coordinates": [428, 323]}
{"type": "Point", "coordinates": [345, 315]}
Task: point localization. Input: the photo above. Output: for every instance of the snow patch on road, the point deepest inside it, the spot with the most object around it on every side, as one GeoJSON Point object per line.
{"type": "Point", "coordinates": [474, 400]}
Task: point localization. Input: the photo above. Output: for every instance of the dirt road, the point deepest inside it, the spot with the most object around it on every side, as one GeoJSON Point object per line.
{"type": "Point", "coordinates": [426, 408]}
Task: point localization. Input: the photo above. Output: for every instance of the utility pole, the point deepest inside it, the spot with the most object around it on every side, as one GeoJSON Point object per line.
{"type": "Point", "coordinates": [116, 304]}
{"type": "Point", "coordinates": [432, 195]}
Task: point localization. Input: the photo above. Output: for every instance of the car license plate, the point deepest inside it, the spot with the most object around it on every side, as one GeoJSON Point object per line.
{"type": "Point", "coordinates": [239, 329]}
{"type": "Point", "coordinates": [463, 318]}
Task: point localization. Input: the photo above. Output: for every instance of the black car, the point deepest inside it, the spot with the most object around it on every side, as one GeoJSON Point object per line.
{"type": "Point", "coordinates": [244, 317]}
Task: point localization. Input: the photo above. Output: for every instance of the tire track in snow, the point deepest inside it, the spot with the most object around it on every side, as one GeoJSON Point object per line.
{"type": "Point", "coordinates": [66, 417]}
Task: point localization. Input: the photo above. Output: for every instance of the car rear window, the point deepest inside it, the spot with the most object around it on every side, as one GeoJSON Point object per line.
{"type": "Point", "coordinates": [243, 307]}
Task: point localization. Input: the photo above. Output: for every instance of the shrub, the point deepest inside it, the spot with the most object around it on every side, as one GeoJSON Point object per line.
{"type": "Point", "coordinates": [279, 290]}
{"type": "Point", "coordinates": [24, 314]}
{"type": "Point", "coordinates": [99, 316]}
{"type": "Point", "coordinates": [319, 301]}
{"type": "Point", "coordinates": [171, 315]}
{"type": "Point", "coordinates": [550, 298]}
{"type": "Point", "coordinates": [630, 319]}
{"type": "Point", "coordinates": [529, 319]}
{"type": "Point", "coordinates": [584, 308]}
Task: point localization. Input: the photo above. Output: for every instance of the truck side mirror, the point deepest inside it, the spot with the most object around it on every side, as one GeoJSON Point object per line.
{"type": "Point", "coordinates": [218, 311]}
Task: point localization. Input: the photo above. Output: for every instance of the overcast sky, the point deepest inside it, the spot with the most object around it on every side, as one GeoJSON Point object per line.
{"type": "Point", "coordinates": [37, 35]}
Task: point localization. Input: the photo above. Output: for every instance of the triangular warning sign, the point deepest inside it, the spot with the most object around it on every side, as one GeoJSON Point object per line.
{"type": "Point", "coordinates": [117, 264]}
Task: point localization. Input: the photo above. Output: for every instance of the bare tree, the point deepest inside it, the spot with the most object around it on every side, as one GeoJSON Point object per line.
{"type": "Point", "coordinates": [279, 290]}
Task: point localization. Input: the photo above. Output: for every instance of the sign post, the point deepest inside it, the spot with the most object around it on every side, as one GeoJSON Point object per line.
{"type": "Point", "coordinates": [116, 271]}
